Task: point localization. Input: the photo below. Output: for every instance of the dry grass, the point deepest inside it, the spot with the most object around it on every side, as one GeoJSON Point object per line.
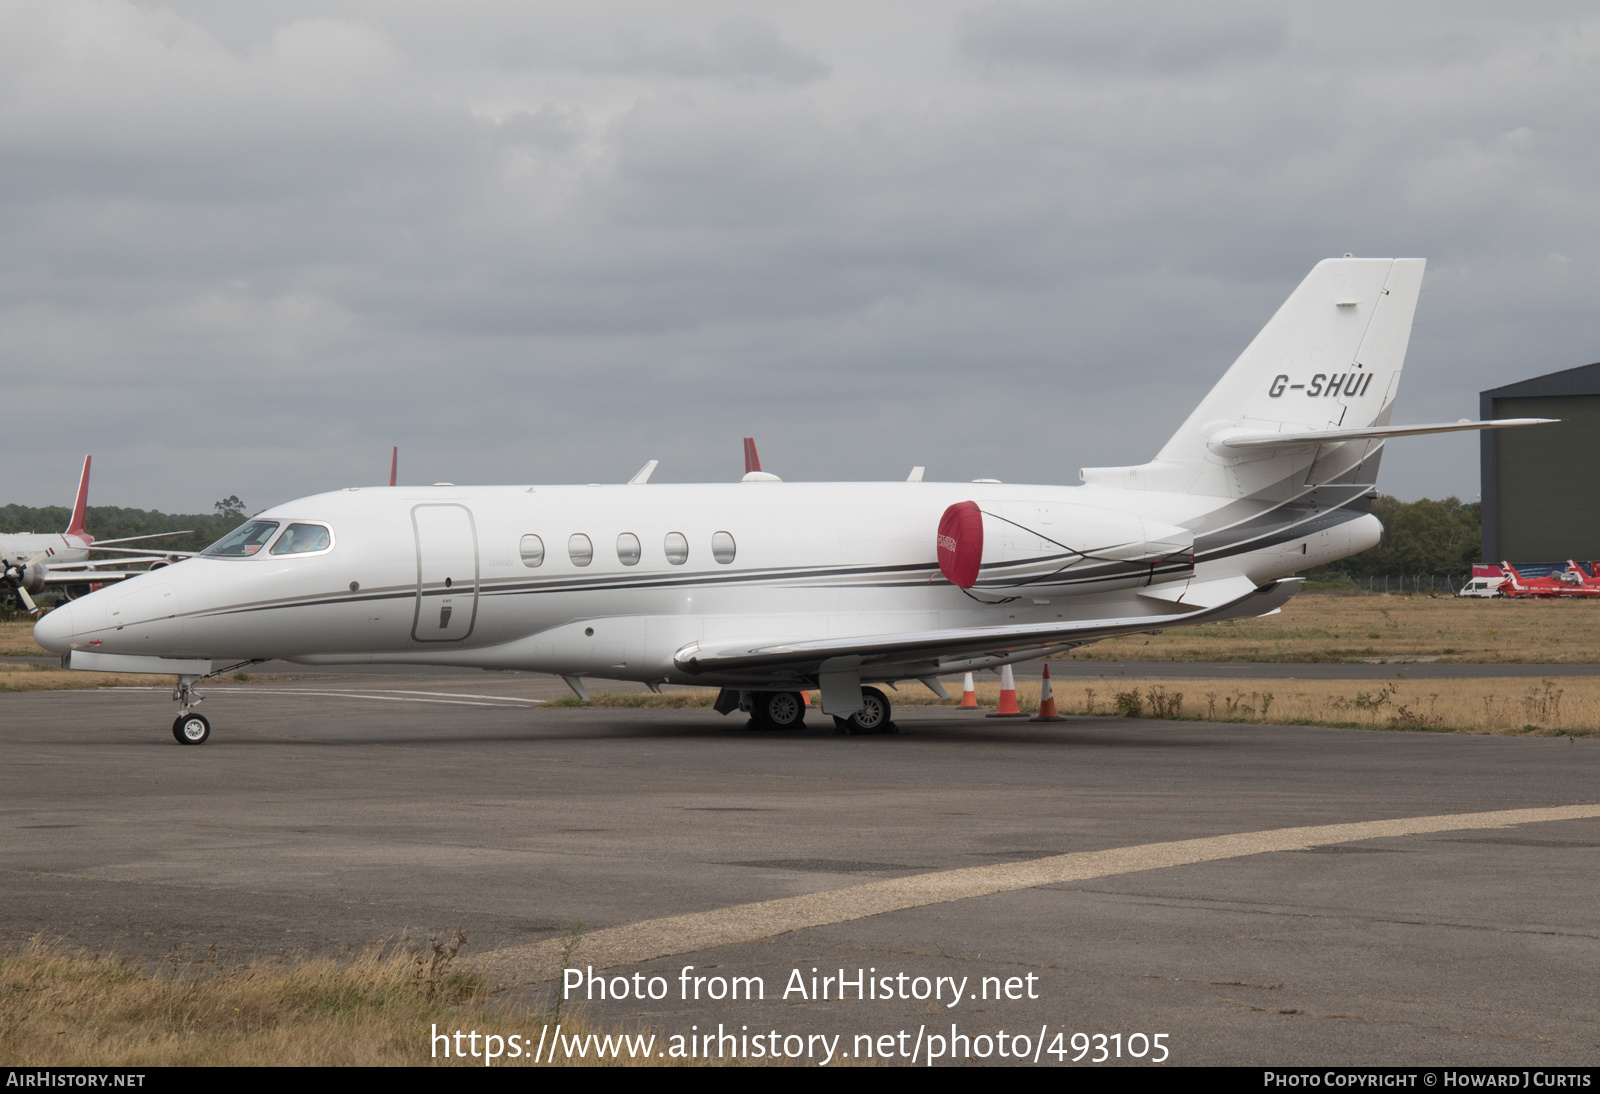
{"type": "Point", "coordinates": [1563, 706]}
{"type": "Point", "coordinates": [15, 676]}
{"type": "Point", "coordinates": [1339, 628]}
{"type": "Point", "coordinates": [16, 640]}
{"type": "Point", "coordinates": [677, 699]}
{"type": "Point", "coordinates": [63, 1008]}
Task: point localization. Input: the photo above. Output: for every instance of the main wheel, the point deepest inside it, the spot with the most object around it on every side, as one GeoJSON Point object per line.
{"type": "Point", "coordinates": [191, 729]}
{"type": "Point", "coordinates": [873, 717]}
{"type": "Point", "coordinates": [779, 709]}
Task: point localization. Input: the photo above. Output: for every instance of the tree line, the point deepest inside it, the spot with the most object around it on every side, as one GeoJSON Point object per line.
{"type": "Point", "coordinates": [114, 522]}
{"type": "Point", "coordinates": [1419, 537]}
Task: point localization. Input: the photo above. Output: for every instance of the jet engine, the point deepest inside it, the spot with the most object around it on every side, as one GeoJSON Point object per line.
{"type": "Point", "coordinates": [1025, 547]}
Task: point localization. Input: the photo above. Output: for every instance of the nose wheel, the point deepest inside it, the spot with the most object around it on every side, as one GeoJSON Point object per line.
{"type": "Point", "coordinates": [191, 729]}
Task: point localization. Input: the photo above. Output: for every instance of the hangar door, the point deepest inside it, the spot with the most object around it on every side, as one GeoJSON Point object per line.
{"type": "Point", "coordinates": [447, 573]}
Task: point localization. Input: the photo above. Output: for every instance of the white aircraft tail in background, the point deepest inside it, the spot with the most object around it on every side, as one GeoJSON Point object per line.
{"type": "Point", "coordinates": [767, 590]}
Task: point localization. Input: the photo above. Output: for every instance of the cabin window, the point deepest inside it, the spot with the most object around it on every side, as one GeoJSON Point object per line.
{"type": "Point", "coordinates": [723, 547]}
{"type": "Point", "coordinates": [303, 539]}
{"type": "Point", "coordinates": [579, 549]}
{"type": "Point", "coordinates": [532, 551]}
{"type": "Point", "coordinates": [628, 549]}
{"type": "Point", "coordinates": [677, 547]}
{"type": "Point", "coordinates": [244, 541]}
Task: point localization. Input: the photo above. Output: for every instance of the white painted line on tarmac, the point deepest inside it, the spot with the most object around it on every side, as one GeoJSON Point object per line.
{"type": "Point", "coordinates": [356, 695]}
{"type": "Point", "coordinates": [457, 695]}
{"type": "Point", "coordinates": [375, 693]}
{"type": "Point", "coordinates": [742, 923]}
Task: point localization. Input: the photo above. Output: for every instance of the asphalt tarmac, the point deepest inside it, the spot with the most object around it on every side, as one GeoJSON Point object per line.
{"type": "Point", "coordinates": [337, 812]}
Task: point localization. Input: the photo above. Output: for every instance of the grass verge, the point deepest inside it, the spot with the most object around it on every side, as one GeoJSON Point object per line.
{"type": "Point", "coordinates": [61, 1008]}
{"type": "Point", "coordinates": [1565, 706]}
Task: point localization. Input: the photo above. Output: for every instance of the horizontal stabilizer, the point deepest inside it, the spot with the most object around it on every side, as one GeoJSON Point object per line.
{"type": "Point", "coordinates": [1248, 439]}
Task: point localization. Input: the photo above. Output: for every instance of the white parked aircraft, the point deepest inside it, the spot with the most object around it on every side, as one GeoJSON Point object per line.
{"type": "Point", "coordinates": [764, 588]}
{"type": "Point", "coordinates": [30, 562]}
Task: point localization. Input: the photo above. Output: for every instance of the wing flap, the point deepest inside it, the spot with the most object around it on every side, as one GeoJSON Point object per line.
{"type": "Point", "coordinates": [873, 653]}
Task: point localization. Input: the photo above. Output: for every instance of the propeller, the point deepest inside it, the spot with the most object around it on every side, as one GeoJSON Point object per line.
{"type": "Point", "coordinates": [15, 575]}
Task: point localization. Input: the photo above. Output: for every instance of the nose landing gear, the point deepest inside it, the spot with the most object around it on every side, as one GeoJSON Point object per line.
{"type": "Point", "coordinates": [191, 728]}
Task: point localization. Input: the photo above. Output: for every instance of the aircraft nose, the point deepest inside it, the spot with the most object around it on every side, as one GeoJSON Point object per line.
{"type": "Point", "coordinates": [54, 630]}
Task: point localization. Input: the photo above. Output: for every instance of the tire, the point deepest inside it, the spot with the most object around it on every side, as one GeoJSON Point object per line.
{"type": "Point", "coordinates": [873, 717]}
{"type": "Point", "coordinates": [779, 709]}
{"type": "Point", "coordinates": [191, 729]}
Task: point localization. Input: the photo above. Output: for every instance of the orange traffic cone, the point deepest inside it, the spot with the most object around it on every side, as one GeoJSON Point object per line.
{"type": "Point", "coordinates": [806, 695]}
{"type": "Point", "coordinates": [1008, 696]}
{"type": "Point", "coordinates": [1047, 700]}
{"type": "Point", "coordinates": [969, 693]}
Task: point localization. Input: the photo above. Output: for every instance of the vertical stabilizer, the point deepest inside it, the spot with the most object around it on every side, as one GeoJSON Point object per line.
{"type": "Point", "coordinates": [1331, 357]}
{"type": "Point", "coordinates": [80, 504]}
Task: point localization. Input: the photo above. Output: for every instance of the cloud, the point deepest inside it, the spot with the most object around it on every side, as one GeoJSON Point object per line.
{"type": "Point", "coordinates": [249, 247]}
{"type": "Point", "coordinates": [1143, 37]}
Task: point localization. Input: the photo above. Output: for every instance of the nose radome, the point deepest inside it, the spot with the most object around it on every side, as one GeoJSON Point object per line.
{"type": "Point", "coordinates": [54, 630]}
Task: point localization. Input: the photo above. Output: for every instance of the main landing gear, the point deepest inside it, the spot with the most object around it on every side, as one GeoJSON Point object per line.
{"type": "Point", "coordinates": [787, 710]}
{"type": "Point", "coordinates": [873, 717]}
{"type": "Point", "coordinates": [777, 710]}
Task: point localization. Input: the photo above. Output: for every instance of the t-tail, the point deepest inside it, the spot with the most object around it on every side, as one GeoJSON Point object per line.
{"type": "Point", "coordinates": [1288, 441]}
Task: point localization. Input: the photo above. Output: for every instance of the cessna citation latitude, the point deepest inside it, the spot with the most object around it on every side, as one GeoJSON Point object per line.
{"type": "Point", "coordinates": [726, 585]}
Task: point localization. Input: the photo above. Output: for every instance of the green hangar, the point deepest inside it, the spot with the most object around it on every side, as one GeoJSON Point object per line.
{"type": "Point", "coordinates": [1541, 493]}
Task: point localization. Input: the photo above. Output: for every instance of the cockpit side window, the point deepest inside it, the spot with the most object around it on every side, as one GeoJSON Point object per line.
{"type": "Point", "coordinates": [244, 541]}
{"type": "Point", "coordinates": [302, 539]}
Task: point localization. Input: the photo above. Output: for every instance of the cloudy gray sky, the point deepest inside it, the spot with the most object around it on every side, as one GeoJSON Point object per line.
{"type": "Point", "coordinates": [247, 247]}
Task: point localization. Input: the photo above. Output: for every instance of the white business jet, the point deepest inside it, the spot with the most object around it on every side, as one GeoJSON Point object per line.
{"type": "Point", "coordinates": [31, 562]}
{"type": "Point", "coordinates": [764, 588]}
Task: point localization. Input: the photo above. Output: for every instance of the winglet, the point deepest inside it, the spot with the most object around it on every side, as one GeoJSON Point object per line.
{"type": "Point", "coordinates": [80, 505]}
{"type": "Point", "coordinates": [394, 465]}
{"type": "Point", "coordinates": [752, 462]}
{"type": "Point", "coordinates": [642, 476]}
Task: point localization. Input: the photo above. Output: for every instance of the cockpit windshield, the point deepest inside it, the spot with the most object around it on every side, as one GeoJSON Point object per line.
{"type": "Point", "coordinates": [299, 539]}
{"type": "Point", "coordinates": [244, 541]}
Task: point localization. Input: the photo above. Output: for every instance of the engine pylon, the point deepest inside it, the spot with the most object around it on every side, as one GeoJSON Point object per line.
{"type": "Point", "coordinates": [1008, 696]}
{"type": "Point", "coordinates": [1047, 700]}
{"type": "Point", "coordinates": [969, 692]}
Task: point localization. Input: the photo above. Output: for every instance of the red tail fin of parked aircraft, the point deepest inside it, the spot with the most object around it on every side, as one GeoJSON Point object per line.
{"type": "Point", "coordinates": [80, 505]}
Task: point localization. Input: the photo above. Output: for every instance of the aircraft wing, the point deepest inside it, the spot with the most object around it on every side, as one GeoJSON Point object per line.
{"type": "Point", "coordinates": [943, 649]}
{"type": "Point", "coordinates": [87, 577]}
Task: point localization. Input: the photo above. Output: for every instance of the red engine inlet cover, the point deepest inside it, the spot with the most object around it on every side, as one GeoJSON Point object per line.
{"type": "Point", "coordinates": [961, 543]}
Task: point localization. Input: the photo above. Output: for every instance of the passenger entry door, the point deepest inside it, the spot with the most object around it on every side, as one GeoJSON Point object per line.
{"type": "Point", "coordinates": [447, 573]}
